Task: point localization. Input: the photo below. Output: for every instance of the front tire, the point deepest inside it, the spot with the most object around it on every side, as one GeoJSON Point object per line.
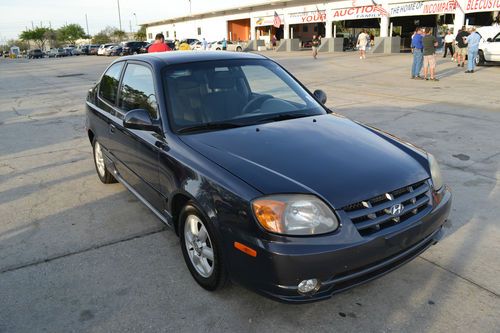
{"type": "Point", "coordinates": [100, 166]}
{"type": "Point", "coordinates": [201, 249]}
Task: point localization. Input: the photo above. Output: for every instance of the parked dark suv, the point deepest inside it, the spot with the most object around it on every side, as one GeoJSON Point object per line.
{"type": "Point", "coordinates": [263, 184]}
{"type": "Point", "coordinates": [132, 47]}
{"type": "Point", "coordinates": [35, 54]}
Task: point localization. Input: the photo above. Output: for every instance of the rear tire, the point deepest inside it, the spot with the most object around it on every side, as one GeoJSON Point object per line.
{"type": "Point", "coordinates": [100, 167]}
{"type": "Point", "coordinates": [239, 49]}
{"type": "Point", "coordinates": [201, 249]}
{"type": "Point", "coordinates": [480, 61]}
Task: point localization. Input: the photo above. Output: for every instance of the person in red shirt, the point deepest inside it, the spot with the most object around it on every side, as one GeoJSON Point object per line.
{"type": "Point", "coordinates": [159, 45]}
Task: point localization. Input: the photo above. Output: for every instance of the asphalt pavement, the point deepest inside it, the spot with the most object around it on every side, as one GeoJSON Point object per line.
{"type": "Point", "coordinates": [80, 256]}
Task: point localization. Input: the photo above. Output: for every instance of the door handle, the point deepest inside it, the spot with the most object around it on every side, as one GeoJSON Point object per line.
{"type": "Point", "coordinates": [112, 128]}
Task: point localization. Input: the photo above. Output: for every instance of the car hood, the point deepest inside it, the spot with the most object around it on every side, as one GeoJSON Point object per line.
{"type": "Point", "coordinates": [330, 156]}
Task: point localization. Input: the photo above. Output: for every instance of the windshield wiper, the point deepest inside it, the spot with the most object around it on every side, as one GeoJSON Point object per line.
{"type": "Point", "coordinates": [285, 116]}
{"type": "Point", "coordinates": [208, 126]}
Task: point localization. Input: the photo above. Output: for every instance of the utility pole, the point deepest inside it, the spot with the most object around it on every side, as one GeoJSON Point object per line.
{"type": "Point", "coordinates": [130, 25]}
{"type": "Point", "coordinates": [119, 14]}
{"type": "Point", "coordinates": [135, 15]}
{"type": "Point", "coordinates": [32, 25]}
{"type": "Point", "coordinates": [87, 22]}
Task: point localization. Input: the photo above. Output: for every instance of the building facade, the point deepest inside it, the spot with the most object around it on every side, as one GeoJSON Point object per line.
{"type": "Point", "coordinates": [303, 19]}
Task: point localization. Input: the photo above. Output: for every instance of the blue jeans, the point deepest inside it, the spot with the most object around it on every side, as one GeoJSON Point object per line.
{"type": "Point", "coordinates": [471, 59]}
{"type": "Point", "coordinates": [418, 59]}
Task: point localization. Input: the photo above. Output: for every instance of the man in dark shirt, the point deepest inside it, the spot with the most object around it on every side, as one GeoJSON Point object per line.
{"type": "Point", "coordinates": [462, 46]}
{"type": "Point", "coordinates": [159, 45]}
{"type": "Point", "coordinates": [430, 43]}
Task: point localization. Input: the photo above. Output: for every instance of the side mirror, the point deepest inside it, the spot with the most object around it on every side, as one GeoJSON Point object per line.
{"type": "Point", "coordinates": [139, 119]}
{"type": "Point", "coordinates": [489, 40]}
{"type": "Point", "coordinates": [320, 95]}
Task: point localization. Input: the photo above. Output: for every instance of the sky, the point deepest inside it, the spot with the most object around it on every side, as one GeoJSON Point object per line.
{"type": "Point", "coordinates": [17, 15]}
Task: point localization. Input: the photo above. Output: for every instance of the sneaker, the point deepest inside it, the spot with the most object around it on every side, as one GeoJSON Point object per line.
{"type": "Point", "coordinates": [434, 79]}
{"type": "Point", "coordinates": [418, 78]}
{"type": "Point", "coordinates": [467, 71]}
{"type": "Point", "coordinates": [458, 65]}
{"type": "Point", "coordinates": [462, 64]}
{"type": "Point", "coordinates": [360, 57]}
{"type": "Point", "coordinates": [452, 59]}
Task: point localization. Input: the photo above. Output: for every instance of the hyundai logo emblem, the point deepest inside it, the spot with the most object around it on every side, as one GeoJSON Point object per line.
{"type": "Point", "coordinates": [397, 209]}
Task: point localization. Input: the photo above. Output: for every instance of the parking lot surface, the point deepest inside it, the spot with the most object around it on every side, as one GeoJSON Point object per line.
{"type": "Point", "coordinates": [78, 255]}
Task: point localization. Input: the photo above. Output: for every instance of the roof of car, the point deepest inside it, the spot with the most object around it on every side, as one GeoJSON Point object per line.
{"type": "Point", "coordinates": [178, 57]}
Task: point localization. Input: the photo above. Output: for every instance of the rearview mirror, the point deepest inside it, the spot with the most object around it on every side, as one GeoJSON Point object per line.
{"type": "Point", "coordinates": [320, 95]}
{"type": "Point", "coordinates": [489, 40]}
{"type": "Point", "coordinates": [139, 119]}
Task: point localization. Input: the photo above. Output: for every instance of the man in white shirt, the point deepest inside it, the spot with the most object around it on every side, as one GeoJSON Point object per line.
{"type": "Point", "coordinates": [448, 44]}
{"type": "Point", "coordinates": [361, 44]}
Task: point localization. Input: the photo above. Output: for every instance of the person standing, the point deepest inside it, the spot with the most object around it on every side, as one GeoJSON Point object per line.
{"type": "Point", "coordinates": [159, 45]}
{"type": "Point", "coordinates": [462, 46]}
{"type": "Point", "coordinates": [204, 44]}
{"type": "Point", "coordinates": [418, 56]}
{"type": "Point", "coordinates": [361, 44]}
{"type": "Point", "coordinates": [224, 44]}
{"type": "Point", "coordinates": [448, 44]}
{"type": "Point", "coordinates": [429, 43]}
{"type": "Point", "coordinates": [315, 44]}
{"type": "Point", "coordinates": [472, 42]}
{"type": "Point", "coordinates": [273, 41]}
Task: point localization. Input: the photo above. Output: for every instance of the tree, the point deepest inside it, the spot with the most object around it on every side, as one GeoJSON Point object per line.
{"type": "Point", "coordinates": [101, 38]}
{"type": "Point", "coordinates": [140, 35]}
{"type": "Point", "coordinates": [71, 33]}
{"type": "Point", "coordinates": [37, 35]}
{"type": "Point", "coordinates": [119, 34]}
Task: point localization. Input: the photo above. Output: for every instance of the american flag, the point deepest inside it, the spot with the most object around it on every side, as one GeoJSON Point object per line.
{"type": "Point", "coordinates": [380, 9]}
{"type": "Point", "coordinates": [277, 20]}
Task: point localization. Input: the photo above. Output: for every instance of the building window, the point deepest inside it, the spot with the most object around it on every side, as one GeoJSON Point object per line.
{"type": "Point", "coordinates": [199, 31]}
{"type": "Point", "coordinates": [305, 28]}
{"type": "Point", "coordinates": [150, 35]}
{"type": "Point", "coordinates": [315, 28]}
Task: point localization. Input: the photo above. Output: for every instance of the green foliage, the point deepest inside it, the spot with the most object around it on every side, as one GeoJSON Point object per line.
{"type": "Point", "coordinates": [38, 35]}
{"type": "Point", "coordinates": [119, 34]}
{"type": "Point", "coordinates": [140, 35]}
{"type": "Point", "coordinates": [71, 33]}
{"type": "Point", "coordinates": [101, 38]}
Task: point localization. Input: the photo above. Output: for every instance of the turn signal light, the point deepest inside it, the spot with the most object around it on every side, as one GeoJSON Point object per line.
{"type": "Point", "coordinates": [269, 213]}
{"type": "Point", "coordinates": [245, 249]}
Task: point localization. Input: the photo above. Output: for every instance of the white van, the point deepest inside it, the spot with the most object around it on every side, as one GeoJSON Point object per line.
{"type": "Point", "coordinates": [489, 46]}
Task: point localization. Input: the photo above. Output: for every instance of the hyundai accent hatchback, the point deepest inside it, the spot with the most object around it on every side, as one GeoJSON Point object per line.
{"type": "Point", "coordinates": [264, 185]}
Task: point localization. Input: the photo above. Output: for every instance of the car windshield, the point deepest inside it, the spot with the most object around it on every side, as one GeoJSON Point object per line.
{"type": "Point", "coordinates": [216, 95]}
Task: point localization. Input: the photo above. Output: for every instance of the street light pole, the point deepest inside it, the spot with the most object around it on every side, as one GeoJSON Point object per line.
{"type": "Point", "coordinates": [119, 14]}
{"type": "Point", "coordinates": [87, 22]}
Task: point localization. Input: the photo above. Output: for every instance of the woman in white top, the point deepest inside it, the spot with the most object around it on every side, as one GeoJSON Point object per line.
{"type": "Point", "coordinates": [361, 44]}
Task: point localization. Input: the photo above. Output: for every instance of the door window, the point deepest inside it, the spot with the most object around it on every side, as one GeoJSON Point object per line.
{"type": "Point", "coordinates": [108, 88]}
{"type": "Point", "coordinates": [137, 90]}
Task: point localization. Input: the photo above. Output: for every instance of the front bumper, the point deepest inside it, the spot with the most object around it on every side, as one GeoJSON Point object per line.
{"type": "Point", "coordinates": [340, 261]}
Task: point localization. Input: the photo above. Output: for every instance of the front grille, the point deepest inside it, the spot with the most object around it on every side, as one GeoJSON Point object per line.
{"type": "Point", "coordinates": [372, 215]}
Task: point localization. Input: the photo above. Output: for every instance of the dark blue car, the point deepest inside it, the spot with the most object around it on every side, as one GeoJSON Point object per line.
{"type": "Point", "coordinates": [264, 185]}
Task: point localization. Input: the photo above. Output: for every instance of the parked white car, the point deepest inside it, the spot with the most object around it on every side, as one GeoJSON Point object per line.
{"type": "Point", "coordinates": [101, 49]}
{"type": "Point", "coordinates": [231, 46]}
{"type": "Point", "coordinates": [489, 46]}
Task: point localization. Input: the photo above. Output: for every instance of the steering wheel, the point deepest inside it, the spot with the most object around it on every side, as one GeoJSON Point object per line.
{"type": "Point", "coordinates": [254, 103]}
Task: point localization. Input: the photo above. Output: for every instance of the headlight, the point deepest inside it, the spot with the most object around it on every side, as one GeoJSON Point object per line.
{"type": "Point", "coordinates": [294, 214]}
{"type": "Point", "coordinates": [437, 181]}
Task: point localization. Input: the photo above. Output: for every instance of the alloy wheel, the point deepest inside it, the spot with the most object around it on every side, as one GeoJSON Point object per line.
{"type": "Point", "coordinates": [199, 246]}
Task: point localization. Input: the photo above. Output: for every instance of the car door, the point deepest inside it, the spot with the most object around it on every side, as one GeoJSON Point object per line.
{"type": "Point", "coordinates": [135, 150]}
{"type": "Point", "coordinates": [492, 49]}
{"type": "Point", "coordinates": [105, 102]}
